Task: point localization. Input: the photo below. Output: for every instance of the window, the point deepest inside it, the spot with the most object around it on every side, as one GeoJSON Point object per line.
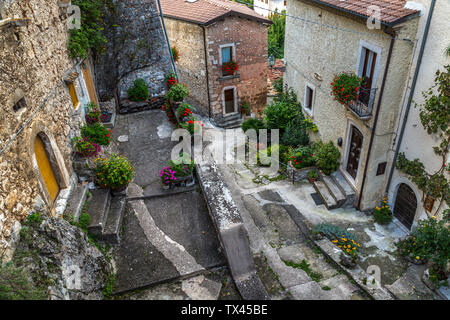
{"type": "Point", "coordinates": [20, 105]}
{"type": "Point", "coordinates": [309, 99]}
{"type": "Point", "coordinates": [367, 69]}
{"type": "Point", "coordinates": [73, 95]}
{"type": "Point", "coordinates": [227, 56]}
{"type": "Point", "coordinates": [285, 3]}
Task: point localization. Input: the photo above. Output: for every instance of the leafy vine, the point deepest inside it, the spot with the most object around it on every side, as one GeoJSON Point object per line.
{"type": "Point", "coordinates": [435, 118]}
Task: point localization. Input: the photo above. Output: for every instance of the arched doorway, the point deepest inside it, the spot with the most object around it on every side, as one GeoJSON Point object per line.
{"type": "Point", "coordinates": [405, 205]}
{"type": "Point", "coordinates": [45, 168]}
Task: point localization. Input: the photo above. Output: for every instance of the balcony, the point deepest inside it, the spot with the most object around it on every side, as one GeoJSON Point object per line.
{"type": "Point", "coordinates": [363, 106]}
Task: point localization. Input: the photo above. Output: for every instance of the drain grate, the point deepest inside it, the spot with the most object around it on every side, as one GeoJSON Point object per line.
{"type": "Point", "coordinates": [317, 199]}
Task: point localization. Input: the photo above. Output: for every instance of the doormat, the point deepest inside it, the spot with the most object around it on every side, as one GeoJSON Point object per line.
{"type": "Point", "coordinates": [317, 199]}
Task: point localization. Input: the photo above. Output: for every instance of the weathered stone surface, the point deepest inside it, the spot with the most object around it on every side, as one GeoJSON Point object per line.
{"type": "Point", "coordinates": [136, 48]}
{"type": "Point", "coordinates": [57, 253]}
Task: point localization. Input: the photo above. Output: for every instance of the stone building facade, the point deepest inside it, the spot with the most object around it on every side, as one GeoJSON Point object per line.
{"type": "Point", "coordinates": [203, 31]}
{"type": "Point", "coordinates": [416, 143]}
{"type": "Point", "coordinates": [42, 96]}
{"type": "Point", "coordinates": [315, 53]}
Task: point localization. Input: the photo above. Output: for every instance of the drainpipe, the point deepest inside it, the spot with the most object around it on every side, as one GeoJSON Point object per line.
{"type": "Point", "coordinates": [167, 39]}
{"type": "Point", "coordinates": [411, 93]}
{"type": "Point", "coordinates": [377, 113]}
{"type": "Point", "coordinates": [207, 71]}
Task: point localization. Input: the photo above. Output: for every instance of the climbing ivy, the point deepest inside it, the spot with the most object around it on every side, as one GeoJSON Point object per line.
{"type": "Point", "coordinates": [90, 35]}
{"type": "Point", "coordinates": [435, 118]}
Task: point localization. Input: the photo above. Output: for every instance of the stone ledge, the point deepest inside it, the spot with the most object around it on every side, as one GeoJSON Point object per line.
{"type": "Point", "coordinates": [231, 230]}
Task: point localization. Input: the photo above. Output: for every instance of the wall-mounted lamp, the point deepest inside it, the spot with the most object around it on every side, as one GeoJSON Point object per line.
{"type": "Point", "coordinates": [339, 142]}
{"type": "Point", "coordinates": [271, 61]}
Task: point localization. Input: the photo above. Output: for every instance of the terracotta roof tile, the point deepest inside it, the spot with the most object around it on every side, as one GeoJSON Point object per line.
{"type": "Point", "coordinates": [207, 11]}
{"type": "Point", "coordinates": [391, 10]}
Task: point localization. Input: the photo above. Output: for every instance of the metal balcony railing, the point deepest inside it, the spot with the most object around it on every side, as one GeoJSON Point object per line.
{"type": "Point", "coordinates": [364, 104]}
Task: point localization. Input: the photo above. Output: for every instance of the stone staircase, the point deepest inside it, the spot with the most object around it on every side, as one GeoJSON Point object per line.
{"type": "Point", "coordinates": [230, 122]}
{"type": "Point", "coordinates": [335, 191]}
{"type": "Point", "coordinates": [106, 214]}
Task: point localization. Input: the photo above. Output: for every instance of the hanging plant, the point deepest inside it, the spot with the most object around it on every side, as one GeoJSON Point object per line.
{"type": "Point", "coordinates": [345, 87]}
{"type": "Point", "coordinates": [175, 54]}
{"type": "Point", "coordinates": [230, 67]}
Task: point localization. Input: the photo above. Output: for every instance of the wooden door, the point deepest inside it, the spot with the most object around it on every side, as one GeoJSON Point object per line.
{"type": "Point", "coordinates": [354, 152]}
{"type": "Point", "coordinates": [405, 205]}
{"type": "Point", "coordinates": [87, 75]}
{"type": "Point", "coordinates": [46, 169]}
{"type": "Point", "coordinates": [229, 101]}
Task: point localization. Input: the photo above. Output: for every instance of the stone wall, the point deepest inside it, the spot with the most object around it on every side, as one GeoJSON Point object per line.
{"type": "Point", "coordinates": [33, 64]}
{"type": "Point", "coordinates": [312, 49]}
{"type": "Point", "coordinates": [250, 40]}
{"type": "Point", "coordinates": [136, 48]}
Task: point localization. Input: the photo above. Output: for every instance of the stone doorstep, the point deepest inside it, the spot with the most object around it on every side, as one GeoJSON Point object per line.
{"type": "Point", "coordinates": [325, 194]}
{"type": "Point", "coordinates": [76, 201]}
{"type": "Point", "coordinates": [335, 191]}
{"type": "Point", "coordinates": [343, 184]}
{"type": "Point", "coordinates": [98, 208]}
{"type": "Point", "coordinates": [114, 219]}
{"type": "Point", "coordinates": [357, 274]}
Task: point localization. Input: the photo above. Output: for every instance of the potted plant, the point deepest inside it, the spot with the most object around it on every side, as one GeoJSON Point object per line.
{"type": "Point", "coordinates": [168, 178]}
{"type": "Point", "coordinates": [383, 214]}
{"type": "Point", "coordinates": [85, 148]}
{"type": "Point", "coordinates": [312, 176]}
{"type": "Point", "coordinates": [93, 114]}
{"type": "Point", "coordinates": [229, 68]}
{"type": "Point", "coordinates": [171, 79]}
{"type": "Point", "coordinates": [184, 112]}
{"type": "Point", "coordinates": [177, 93]}
{"type": "Point", "coordinates": [184, 169]}
{"type": "Point", "coordinates": [114, 172]}
{"type": "Point", "coordinates": [97, 133]}
{"type": "Point", "coordinates": [345, 87]}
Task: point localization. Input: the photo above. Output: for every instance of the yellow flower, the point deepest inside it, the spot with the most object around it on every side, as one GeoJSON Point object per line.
{"type": "Point", "coordinates": [433, 217]}
{"type": "Point", "coordinates": [359, 245]}
{"type": "Point", "coordinates": [335, 241]}
{"type": "Point", "coordinates": [418, 258]}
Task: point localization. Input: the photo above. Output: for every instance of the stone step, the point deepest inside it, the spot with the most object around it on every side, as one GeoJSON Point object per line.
{"type": "Point", "coordinates": [97, 209]}
{"type": "Point", "coordinates": [111, 231]}
{"type": "Point", "coordinates": [345, 187]}
{"type": "Point", "coordinates": [325, 194]}
{"type": "Point", "coordinates": [230, 124]}
{"type": "Point", "coordinates": [334, 189]}
{"type": "Point", "coordinates": [76, 202]}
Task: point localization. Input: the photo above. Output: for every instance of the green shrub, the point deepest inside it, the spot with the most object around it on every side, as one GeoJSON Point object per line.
{"type": "Point", "coordinates": [177, 92]}
{"type": "Point", "coordinates": [114, 171]}
{"type": "Point", "coordinates": [253, 123]}
{"type": "Point", "coordinates": [278, 85]}
{"type": "Point", "coordinates": [97, 133]}
{"type": "Point", "coordinates": [278, 115]}
{"type": "Point", "coordinates": [139, 91]}
{"type": "Point", "coordinates": [83, 221]}
{"type": "Point", "coordinates": [430, 241]}
{"type": "Point", "coordinates": [327, 156]}
{"type": "Point", "coordinates": [15, 285]}
{"type": "Point", "coordinates": [85, 147]}
{"type": "Point", "coordinates": [296, 133]}
{"type": "Point", "coordinates": [33, 219]}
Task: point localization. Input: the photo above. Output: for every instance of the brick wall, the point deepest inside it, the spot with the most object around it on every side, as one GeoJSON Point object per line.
{"type": "Point", "coordinates": [250, 40]}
